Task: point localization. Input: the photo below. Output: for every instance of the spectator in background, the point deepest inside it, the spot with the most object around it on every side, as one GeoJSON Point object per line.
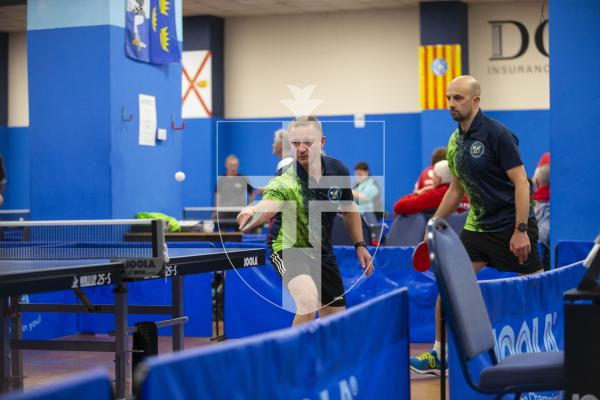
{"type": "Point", "coordinates": [282, 148]}
{"type": "Point", "coordinates": [233, 190]}
{"type": "Point", "coordinates": [429, 199]}
{"type": "Point", "coordinates": [541, 196]}
{"type": "Point", "coordinates": [425, 180]}
{"type": "Point", "coordinates": [366, 193]}
{"type": "Point", "coordinates": [2, 180]}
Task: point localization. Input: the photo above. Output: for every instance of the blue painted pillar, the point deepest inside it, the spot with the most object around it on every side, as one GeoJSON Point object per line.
{"type": "Point", "coordinates": [200, 139]}
{"type": "Point", "coordinates": [85, 158]}
{"type": "Point", "coordinates": [574, 119]}
{"type": "Point", "coordinates": [3, 79]}
{"type": "Point", "coordinates": [441, 23]}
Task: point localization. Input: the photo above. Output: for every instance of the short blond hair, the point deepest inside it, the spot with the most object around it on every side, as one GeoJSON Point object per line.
{"type": "Point", "coordinates": [306, 121]}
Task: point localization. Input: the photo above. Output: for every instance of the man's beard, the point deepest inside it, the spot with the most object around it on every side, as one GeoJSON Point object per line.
{"type": "Point", "coordinates": [457, 116]}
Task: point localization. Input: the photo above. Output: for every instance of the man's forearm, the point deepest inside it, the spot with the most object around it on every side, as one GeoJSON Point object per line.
{"type": "Point", "coordinates": [268, 208]}
{"type": "Point", "coordinates": [522, 200]}
{"type": "Point", "coordinates": [353, 223]}
{"type": "Point", "coordinates": [449, 203]}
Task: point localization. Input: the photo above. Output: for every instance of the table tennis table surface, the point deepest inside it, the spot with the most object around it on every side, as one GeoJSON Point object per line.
{"type": "Point", "coordinates": [30, 276]}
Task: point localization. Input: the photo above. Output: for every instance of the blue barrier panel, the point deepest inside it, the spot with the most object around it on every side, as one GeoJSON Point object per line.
{"type": "Point", "coordinates": [248, 313]}
{"type": "Point", "coordinates": [43, 326]}
{"type": "Point", "coordinates": [569, 252]}
{"type": "Point", "coordinates": [527, 316]}
{"type": "Point", "coordinates": [361, 353]}
{"type": "Point", "coordinates": [197, 294]}
{"type": "Point", "coordinates": [93, 385]}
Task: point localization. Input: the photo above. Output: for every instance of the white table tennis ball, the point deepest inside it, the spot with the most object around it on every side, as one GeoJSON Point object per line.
{"type": "Point", "coordinates": [179, 176]}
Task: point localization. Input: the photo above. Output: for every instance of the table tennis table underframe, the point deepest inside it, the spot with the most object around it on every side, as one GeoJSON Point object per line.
{"type": "Point", "coordinates": [12, 344]}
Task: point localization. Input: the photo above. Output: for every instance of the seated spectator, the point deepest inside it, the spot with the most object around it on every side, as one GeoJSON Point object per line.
{"type": "Point", "coordinates": [429, 199]}
{"type": "Point", "coordinates": [366, 192]}
{"type": "Point", "coordinates": [282, 148]}
{"type": "Point", "coordinates": [541, 196]}
{"type": "Point", "coordinates": [425, 181]}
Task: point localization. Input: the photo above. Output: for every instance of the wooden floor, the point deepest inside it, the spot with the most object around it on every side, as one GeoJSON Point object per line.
{"type": "Point", "coordinates": [44, 367]}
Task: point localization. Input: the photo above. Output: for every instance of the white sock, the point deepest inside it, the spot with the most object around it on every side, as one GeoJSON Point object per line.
{"type": "Point", "coordinates": [437, 346]}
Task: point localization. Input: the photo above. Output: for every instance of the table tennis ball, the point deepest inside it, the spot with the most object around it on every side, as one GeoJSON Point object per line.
{"type": "Point", "coordinates": [179, 176]}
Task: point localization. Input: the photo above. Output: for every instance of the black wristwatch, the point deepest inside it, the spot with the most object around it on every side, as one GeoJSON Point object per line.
{"type": "Point", "coordinates": [522, 227]}
{"type": "Point", "coordinates": [359, 244]}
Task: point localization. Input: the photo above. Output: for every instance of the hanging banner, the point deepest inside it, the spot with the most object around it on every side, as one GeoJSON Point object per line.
{"type": "Point", "coordinates": [196, 84]}
{"type": "Point", "coordinates": [150, 34]}
{"type": "Point", "coordinates": [438, 65]}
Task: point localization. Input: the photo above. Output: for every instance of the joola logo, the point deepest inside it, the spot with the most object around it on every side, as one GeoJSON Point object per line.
{"type": "Point", "coordinates": [527, 340]}
{"type": "Point", "coordinates": [348, 390]}
{"type": "Point", "coordinates": [250, 261]}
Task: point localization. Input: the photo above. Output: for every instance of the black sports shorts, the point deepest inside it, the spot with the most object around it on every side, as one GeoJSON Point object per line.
{"type": "Point", "coordinates": [494, 249]}
{"type": "Point", "coordinates": [322, 268]}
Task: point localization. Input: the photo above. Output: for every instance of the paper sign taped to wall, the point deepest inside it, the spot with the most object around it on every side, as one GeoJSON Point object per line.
{"type": "Point", "coordinates": [147, 135]}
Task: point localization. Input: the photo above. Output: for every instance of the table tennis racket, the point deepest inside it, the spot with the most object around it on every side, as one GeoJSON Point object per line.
{"type": "Point", "coordinates": [420, 259]}
{"type": "Point", "coordinates": [250, 224]}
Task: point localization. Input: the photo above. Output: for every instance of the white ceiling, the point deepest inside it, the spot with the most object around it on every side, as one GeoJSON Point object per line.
{"type": "Point", "coordinates": [14, 18]}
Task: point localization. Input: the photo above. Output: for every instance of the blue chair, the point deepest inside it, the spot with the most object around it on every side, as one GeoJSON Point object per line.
{"type": "Point", "coordinates": [470, 324]}
{"type": "Point", "coordinates": [406, 230]}
{"type": "Point", "coordinates": [457, 221]}
{"type": "Point", "coordinates": [340, 236]}
{"type": "Point", "coordinates": [94, 385]}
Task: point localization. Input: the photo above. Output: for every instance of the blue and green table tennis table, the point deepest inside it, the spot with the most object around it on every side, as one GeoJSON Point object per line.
{"type": "Point", "coordinates": [44, 256]}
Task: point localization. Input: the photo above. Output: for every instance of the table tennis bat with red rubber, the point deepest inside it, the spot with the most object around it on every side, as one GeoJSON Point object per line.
{"type": "Point", "coordinates": [420, 259]}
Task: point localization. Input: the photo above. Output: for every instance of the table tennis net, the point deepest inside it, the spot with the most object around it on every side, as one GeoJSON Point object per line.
{"type": "Point", "coordinates": [79, 240]}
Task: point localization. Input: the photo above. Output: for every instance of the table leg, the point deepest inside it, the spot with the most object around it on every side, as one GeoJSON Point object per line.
{"type": "Point", "coordinates": [16, 334]}
{"type": "Point", "coordinates": [4, 345]}
{"type": "Point", "coordinates": [177, 303]}
{"type": "Point", "coordinates": [122, 366]}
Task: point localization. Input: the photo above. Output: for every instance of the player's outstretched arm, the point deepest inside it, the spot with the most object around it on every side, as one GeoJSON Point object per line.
{"type": "Point", "coordinates": [263, 211]}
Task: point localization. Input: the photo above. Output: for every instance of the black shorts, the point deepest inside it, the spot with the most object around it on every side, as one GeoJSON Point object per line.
{"type": "Point", "coordinates": [322, 268]}
{"type": "Point", "coordinates": [494, 249]}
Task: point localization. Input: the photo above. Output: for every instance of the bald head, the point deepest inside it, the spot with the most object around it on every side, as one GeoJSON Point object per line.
{"type": "Point", "coordinates": [463, 95]}
{"type": "Point", "coordinates": [467, 84]}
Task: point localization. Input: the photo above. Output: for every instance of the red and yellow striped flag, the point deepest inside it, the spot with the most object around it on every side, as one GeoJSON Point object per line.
{"type": "Point", "coordinates": [438, 65]}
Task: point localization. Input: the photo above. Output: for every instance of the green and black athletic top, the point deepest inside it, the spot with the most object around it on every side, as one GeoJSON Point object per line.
{"type": "Point", "coordinates": [299, 192]}
{"type": "Point", "coordinates": [479, 159]}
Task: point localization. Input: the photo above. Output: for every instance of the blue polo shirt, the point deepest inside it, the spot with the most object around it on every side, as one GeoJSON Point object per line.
{"type": "Point", "coordinates": [479, 158]}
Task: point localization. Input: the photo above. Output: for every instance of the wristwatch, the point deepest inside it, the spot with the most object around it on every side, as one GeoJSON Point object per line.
{"type": "Point", "coordinates": [522, 227]}
{"type": "Point", "coordinates": [361, 243]}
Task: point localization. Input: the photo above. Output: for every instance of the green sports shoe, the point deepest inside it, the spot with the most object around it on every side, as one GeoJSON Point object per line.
{"type": "Point", "coordinates": [426, 363]}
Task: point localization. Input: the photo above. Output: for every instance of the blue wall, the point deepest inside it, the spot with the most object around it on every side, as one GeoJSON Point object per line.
{"type": "Point", "coordinates": [574, 119]}
{"type": "Point", "coordinates": [198, 162]}
{"type": "Point", "coordinates": [69, 122]}
{"type": "Point", "coordinates": [142, 177]}
{"type": "Point", "coordinates": [85, 160]}
{"type": "Point", "coordinates": [14, 147]}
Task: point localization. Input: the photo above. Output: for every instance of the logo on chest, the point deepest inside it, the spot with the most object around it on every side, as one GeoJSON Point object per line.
{"type": "Point", "coordinates": [477, 149]}
{"type": "Point", "coordinates": [334, 194]}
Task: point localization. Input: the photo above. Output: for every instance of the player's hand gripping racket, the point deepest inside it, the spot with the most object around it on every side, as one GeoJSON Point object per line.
{"type": "Point", "coordinates": [420, 259]}
{"type": "Point", "coordinates": [252, 222]}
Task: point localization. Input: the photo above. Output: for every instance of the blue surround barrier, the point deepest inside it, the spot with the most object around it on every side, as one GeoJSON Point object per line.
{"type": "Point", "coordinates": [361, 353]}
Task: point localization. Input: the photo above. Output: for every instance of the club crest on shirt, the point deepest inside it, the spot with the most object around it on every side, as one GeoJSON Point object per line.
{"type": "Point", "coordinates": [477, 149]}
{"type": "Point", "coordinates": [334, 194]}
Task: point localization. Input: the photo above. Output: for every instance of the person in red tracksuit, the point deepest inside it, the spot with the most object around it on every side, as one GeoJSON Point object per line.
{"type": "Point", "coordinates": [429, 200]}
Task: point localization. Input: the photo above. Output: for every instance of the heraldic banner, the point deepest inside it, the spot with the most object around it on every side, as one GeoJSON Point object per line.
{"type": "Point", "coordinates": [438, 65]}
{"type": "Point", "coordinates": [150, 34]}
